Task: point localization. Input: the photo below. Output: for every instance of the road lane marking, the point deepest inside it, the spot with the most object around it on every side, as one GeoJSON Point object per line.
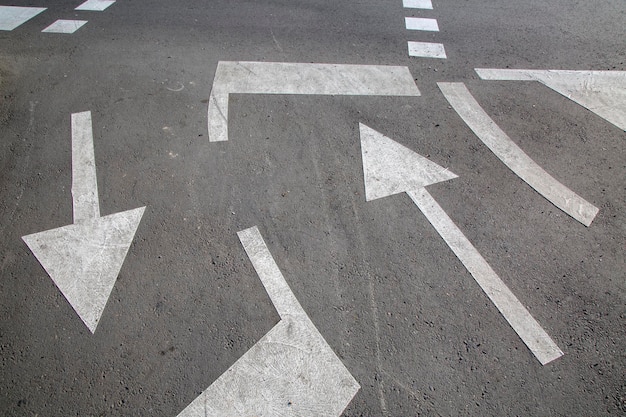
{"type": "Point", "coordinates": [390, 168]}
{"type": "Point", "coordinates": [291, 371]}
{"type": "Point", "coordinates": [14, 16]}
{"type": "Point", "coordinates": [513, 156]}
{"type": "Point", "coordinates": [294, 78]}
{"type": "Point", "coordinates": [417, 4]}
{"type": "Point", "coordinates": [418, 23]}
{"type": "Point", "coordinates": [602, 92]}
{"type": "Point", "coordinates": [84, 259]}
{"type": "Point", "coordinates": [427, 50]}
{"type": "Point", "coordinates": [95, 5]}
{"type": "Point", "coordinates": [65, 26]}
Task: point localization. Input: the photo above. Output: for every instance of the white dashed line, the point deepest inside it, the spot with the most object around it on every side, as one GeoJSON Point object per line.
{"type": "Point", "coordinates": [418, 23]}
{"type": "Point", "coordinates": [13, 16]}
{"type": "Point", "coordinates": [427, 50]}
{"type": "Point", "coordinates": [95, 5]}
{"type": "Point", "coordinates": [65, 26]}
{"type": "Point", "coordinates": [417, 4]}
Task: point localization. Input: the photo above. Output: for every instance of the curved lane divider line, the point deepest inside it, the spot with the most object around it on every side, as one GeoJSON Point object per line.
{"type": "Point", "coordinates": [513, 156]}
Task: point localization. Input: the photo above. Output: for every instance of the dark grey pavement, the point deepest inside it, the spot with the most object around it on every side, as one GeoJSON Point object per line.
{"type": "Point", "coordinates": [391, 299]}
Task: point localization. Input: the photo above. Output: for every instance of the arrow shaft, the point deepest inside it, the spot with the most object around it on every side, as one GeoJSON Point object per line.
{"type": "Point", "coordinates": [84, 182]}
{"type": "Point", "coordinates": [531, 333]}
{"type": "Point", "coordinates": [282, 297]}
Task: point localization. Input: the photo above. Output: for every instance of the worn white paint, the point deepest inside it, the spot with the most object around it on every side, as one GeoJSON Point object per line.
{"type": "Point", "coordinates": [390, 168]}
{"type": "Point", "coordinates": [291, 371]}
{"type": "Point", "coordinates": [84, 259]}
{"type": "Point", "coordinates": [385, 165]}
{"type": "Point", "coordinates": [602, 92]}
{"type": "Point", "coordinates": [65, 26]}
{"type": "Point", "coordinates": [419, 23]}
{"type": "Point", "coordinates": [527, 328]}
{"type": "Point", "coordinates": [292, 78]}
{"type": "Point", "coordinates": [84, 181]}
{"type": "Point", "coordinates": [513, 156]}
{"type": "Point", "coordinates": [13, 16]}
{"type": "Point", "coordinates": [418, 4]}
{"type": "Point", "coordinates": [95, 5]}
{"type": "Point", "coordinates": [427, 50]}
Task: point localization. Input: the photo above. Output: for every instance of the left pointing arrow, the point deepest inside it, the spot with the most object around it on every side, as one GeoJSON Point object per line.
{"type": "Point", "coordinates": [84, 258]}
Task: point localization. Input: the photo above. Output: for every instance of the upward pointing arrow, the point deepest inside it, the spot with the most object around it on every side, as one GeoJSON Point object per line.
{"type": "Point", "coordinates": [390, 168]}
{"type": "Point", "coordinates": [84, 259]}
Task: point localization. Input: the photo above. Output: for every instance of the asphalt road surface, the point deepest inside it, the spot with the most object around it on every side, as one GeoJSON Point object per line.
{"type": "Point", "coordinates": [406, 327]}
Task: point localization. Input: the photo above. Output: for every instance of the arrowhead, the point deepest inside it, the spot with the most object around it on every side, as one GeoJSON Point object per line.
{"type": "Point", "coordinates": [390, 168]}
{"type": "Point", "coordinates": [84, 259]}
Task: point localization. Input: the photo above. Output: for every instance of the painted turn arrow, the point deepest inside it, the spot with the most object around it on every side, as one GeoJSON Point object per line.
{"type": "Point", "coordinates": [84, 259]}
{"type": "Point", "coordinates": [390, 168]}
{"type": "Point", "coordinates": [295, 78]}
{"type": "Point", "coordinates": [291, 371]}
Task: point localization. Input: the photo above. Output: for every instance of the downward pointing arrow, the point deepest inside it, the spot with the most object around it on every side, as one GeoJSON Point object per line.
{"type": "Point", "coordinates": [390, 168]}
{"type": "Point", "coordinates": [84, 259]}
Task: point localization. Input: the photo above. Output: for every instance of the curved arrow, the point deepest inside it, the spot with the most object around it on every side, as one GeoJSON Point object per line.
{"type": "Point", "coordinates": [390, 168]}
{"type": "Point", "coordinates": [84, 259]}
{"type": "Point", "coordinates": [291, 371]}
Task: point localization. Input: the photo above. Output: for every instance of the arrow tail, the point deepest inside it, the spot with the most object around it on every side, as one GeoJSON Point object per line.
{"type": "Point", "coordinates": [84, 180]}
{"type": "Point", "coordinates": [527, 328]}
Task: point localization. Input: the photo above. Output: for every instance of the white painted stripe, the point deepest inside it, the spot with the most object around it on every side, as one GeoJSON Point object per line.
{"type": "Point", "coordinates": [275, 284]}
{"type": "Point", "coordinates": [602, 92]}
{"type": "Point", "coordinates": [291, 371]}
{"type": "Point", "coordinates": [13, 16]}
{"type": "Point", "coordinates": [533, 335]}
{"type": "Point", "coordinates": [65, 26]}
{"type": "Point", "coordinates": [427, 50]}
{"type": "Point", "coordinates": [84, 180]}
{"type": "Point", "coordinates": [419, 23]}
{"type": "Point", "coordinates": [513, 157]}
{"type": "Point", "coordinates": [291, 78]}
{"type": "Point", "coordinates": [95, 5]}
{"type": "Point", "coordinates": [417, 4]}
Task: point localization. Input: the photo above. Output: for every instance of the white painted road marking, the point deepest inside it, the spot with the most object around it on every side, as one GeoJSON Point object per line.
{"type": "Point", "coordinates": [291, 371]}
{"type": "Point", "coordinates": [290, 78]}
{"type": "Point", "coordinates": [602, 92]}
{"type": "Point", "coordinates": [417, 4]}
{"type": "Point", "coordinates": [418, 23]}
{"type": "Point", "coordinates": [65, 26]}
{"type": "Point", "coordinates": [95, 5]}
{"type": "Point", "coordinates": [13, 16]}
{"type": "Point", "coordinates": [390, 168]}
{"type": "Point", "coordinates": [385, 162]}
{"type": "Point", "coordinates": [84, 259]}
{"type": "Point", "coordinates": [427, 50]}
{"type": "Point", "coordinates": [513, 156]}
